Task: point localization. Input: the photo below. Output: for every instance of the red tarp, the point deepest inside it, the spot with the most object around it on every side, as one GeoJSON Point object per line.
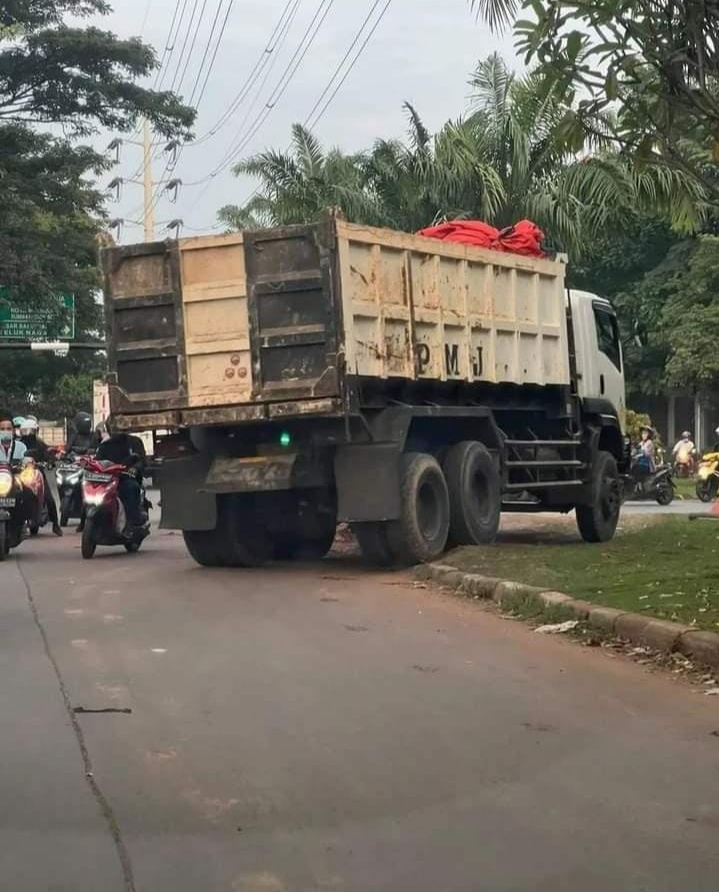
{"type": "Point", "coordinates": [523, 238]}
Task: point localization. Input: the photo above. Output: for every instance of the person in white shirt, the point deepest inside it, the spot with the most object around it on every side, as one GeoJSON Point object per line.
{"type": "Point", "coordinates": [11, 449]}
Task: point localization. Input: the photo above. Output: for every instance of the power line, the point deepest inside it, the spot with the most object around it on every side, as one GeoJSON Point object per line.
{"type": "Point", "coordinates": [279, 89]}
{"type": "Point", "coordinates": [359, 52]}
{"type": "Point", "coordinates": [346, 56]}
{"type": "Point", "coordinates": [207, 50]}
{"type": "Point", "coordinates": [382, 14]}
{"type": "Point", "coordinates": [175, 84]}
{"type": "Point", "coordinates": [269, 52]}
{"type": "Point", "coordinates": [172, 35]}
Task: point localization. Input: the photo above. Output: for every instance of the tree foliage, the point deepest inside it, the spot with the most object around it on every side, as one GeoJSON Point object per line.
{"type": "Point", "coordinates": [650, 67]}
{"type": "Point", "coordinates": [79, 79]}
{"type": "Point", "coordinates": [510, 156]}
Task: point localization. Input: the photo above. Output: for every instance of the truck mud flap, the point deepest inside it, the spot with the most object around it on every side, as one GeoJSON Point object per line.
{"type": "Point", "coordinates": [367, 478]}
{"type": "Point", "coordinates": [184, 505]}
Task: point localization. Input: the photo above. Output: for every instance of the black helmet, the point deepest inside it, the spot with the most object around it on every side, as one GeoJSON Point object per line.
{"type": "Point", "coordinates": [83, 423]}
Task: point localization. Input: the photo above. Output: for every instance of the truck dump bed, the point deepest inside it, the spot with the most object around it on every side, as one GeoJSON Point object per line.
{"type": "Point", "coordinates": [255, 325]}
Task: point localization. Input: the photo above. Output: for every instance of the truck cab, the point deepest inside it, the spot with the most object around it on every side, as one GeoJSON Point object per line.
{"type": "Point", "coordinates": [598, 353]}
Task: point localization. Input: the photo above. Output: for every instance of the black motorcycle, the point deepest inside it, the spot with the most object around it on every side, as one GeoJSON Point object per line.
{"type": "Point", "coordinates": [68, 475]}
{"type": "Point", "coordinates": [657, 486]}
{"type": "Point", "coordinates": [12, 510]}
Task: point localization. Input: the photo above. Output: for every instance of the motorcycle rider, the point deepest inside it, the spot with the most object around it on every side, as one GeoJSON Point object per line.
{"type": "Point", "coordinates": [82, 438]}
{"type": "Point", "coordinates": [40, 451]}
{"type": "Point", "coordinates": [11, 448]}
{"type": "Point", "coordinates": [643, 466]}
{"type": "Point", "coordinates": [684, 451]}
{"type": "Point", "coordinates": [125, 449]}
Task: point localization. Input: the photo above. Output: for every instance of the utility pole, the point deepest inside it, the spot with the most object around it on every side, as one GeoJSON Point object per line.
{"type": "Point", "coordinates": [151, 189]}
{"type": "Point", "coordinates": [149, 211]}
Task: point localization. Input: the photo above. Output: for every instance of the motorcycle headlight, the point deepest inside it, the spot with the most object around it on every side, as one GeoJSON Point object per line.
{"type": "Point", "coordinates": [5, 483]}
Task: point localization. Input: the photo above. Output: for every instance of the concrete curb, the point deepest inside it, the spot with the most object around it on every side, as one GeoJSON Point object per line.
{"type": "Point", "coordinates": [646, 631]}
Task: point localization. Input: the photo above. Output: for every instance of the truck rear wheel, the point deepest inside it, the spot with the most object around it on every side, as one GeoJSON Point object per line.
{"type": "Point", "coordinates": [598, 522]}
{"type": "Point", "coordinates": [302, 524]}
{"type": "Point", "coordinates": [420, 534]}
{"type": "Point", "coordinates": [373, 543]}
{"type": "Point", "coordinates": [474, 494]}
{"type": "Point", "coordinates": [202, 546]}
{"type": "Point", "coordinates": [242, 539]}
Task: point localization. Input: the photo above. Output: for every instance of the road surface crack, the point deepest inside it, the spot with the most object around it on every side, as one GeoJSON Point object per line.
{"type": "Point", "coordinates": [99, 796]}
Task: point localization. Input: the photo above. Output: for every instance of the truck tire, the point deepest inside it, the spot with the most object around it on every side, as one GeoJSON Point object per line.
{"type": "Point", "coordinates": [598, 522]}
{"type": "Point", "coordinates": [308, 529]}
{"type": "Point", "coordinates": [420, 534]}
{"type": "Point", "coordinates": [242, 540]}
{"type": "Point", "coordinates": [202, 546]}
{"type": "Point", "coordinates": [373, 543]}
{"type": "Point", "coordinates": [474, 494]}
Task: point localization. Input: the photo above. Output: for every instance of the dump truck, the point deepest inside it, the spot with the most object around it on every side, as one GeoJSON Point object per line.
{"type": "Point", "coordinates": [330, 372]}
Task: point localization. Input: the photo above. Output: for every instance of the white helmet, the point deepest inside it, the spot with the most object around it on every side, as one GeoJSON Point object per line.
{"type": "Point", "coordinates": [29, 426]}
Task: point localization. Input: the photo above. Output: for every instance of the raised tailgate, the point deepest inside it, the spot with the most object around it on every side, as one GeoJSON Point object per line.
{"type": "Point", "coordinates": [143, 308]}
{"type": "Point", "coordinates": [294, 313]}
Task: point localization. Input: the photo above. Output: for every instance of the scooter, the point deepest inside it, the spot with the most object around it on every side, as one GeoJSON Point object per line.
{"type": "Point", "coordinates": [106, 519]}
{"type": "Point", "coordinates": [69, 487]}
{"type": "Point", "coordinates": [12, 510]}
{"type": "Point", "coordinates": [707, 485]}
{"type": "Point", "coordinates": [33, 482]}
{"type": "Point", "coordinates": [657, 487]}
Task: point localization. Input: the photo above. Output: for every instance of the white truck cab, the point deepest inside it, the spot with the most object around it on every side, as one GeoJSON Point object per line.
{"type": "Point", "coordinates": [598, 351]}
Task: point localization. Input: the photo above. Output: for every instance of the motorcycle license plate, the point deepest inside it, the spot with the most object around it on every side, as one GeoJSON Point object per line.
{"type": "Point", "coordinates": [97, 478]}
{"type": "Point", "coordinates": [7, 503]}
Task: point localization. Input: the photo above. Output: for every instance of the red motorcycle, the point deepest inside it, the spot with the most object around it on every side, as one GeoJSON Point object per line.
{"type": "Point", "coordinates": [106, 519]}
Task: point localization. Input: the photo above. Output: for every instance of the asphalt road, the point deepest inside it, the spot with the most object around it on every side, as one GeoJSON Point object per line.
{"type": "Point", "coordinates": [296, 729]}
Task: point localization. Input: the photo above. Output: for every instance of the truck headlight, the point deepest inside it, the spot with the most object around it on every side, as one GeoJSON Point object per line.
{"type": "Point", "coordinates": [5, 483]}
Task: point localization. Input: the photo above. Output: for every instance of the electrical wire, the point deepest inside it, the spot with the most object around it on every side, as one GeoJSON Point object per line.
{"type": "Point", "coordinates": [346, 56]}
{"type": "Point", "coordinates": [175, 84]}
{"type": "Point", "coordinates": [271, 49]}
{"type": "Point", "coordinates": [314, 123]}
{"type": "Point", "coordinates": [241, 140]}
{"type": "Point", "coordinates": [347, 73]}
{"type": "Point", "coordinates": [207, 49]}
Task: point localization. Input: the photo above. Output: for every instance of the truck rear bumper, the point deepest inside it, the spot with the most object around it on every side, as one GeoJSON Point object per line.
{"type": "Point", "coordinates": [172, 419]}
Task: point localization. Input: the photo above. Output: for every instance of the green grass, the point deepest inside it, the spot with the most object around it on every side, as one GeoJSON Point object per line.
{"type": "Point", "coordinates": [686, 487]}
{"type": "Point", "coordinates": [668, 569]}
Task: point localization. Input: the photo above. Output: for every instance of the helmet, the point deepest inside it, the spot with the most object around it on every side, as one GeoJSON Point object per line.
{"type": "Point", "coordinates": [32, 418]}
{"type": "Point", "coordinates": [686, 435]}
{"type": "Point", "coordinates": [18, 421]}
{"type": "Point", "coordinates": [29, 426]}
{"type": "Point", "coordinates": [83, 423]}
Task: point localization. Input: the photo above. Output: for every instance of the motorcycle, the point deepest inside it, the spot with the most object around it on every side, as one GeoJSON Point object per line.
{"type": "Point", "coordinates": [69, 487]}
{"type": "Point", "coordinates": [106, 519]}
{"type": "Point", "coordinates": [707, 485]}
{"type": "Point", "coordinates": [658, 486]}
{"type": "Point", "coordinates": [33, 482]}
{"type": "Point", "coordinates": [12, 510]}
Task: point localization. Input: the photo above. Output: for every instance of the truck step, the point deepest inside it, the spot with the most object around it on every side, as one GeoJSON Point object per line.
{"type": "Point", "coordinates": [542, 484]}
{"type": "Point", "coordinates": [549, 463]}
{"type": "Point", "coordinates": [531, 443]}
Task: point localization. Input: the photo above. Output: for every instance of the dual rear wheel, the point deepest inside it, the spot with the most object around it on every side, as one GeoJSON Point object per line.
{"type": "Point", "coordinates": [455, 503]}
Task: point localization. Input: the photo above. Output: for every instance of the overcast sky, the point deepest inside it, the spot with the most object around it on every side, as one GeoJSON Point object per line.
{"type": "Point", "coordinates": [422, 51]}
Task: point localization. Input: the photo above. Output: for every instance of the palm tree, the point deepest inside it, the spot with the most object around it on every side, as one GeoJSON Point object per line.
{"type": "Point", "coordinates": [297, 186]}
{"type": "Point", "coordinates": [519, 152]}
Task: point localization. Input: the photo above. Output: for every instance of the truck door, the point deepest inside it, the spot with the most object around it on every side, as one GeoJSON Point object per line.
{"type": "Point", "coordinates": [600, 365]}
{"type": "Point", "coordinates": [610, 366]}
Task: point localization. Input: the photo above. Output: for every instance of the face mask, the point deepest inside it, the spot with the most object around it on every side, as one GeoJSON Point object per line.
{"type": "Point", "coordinates": [5, 436]}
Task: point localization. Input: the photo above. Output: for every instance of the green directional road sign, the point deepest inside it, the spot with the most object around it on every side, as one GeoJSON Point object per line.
{"type": "Point", "coordinates": [39, 324]}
